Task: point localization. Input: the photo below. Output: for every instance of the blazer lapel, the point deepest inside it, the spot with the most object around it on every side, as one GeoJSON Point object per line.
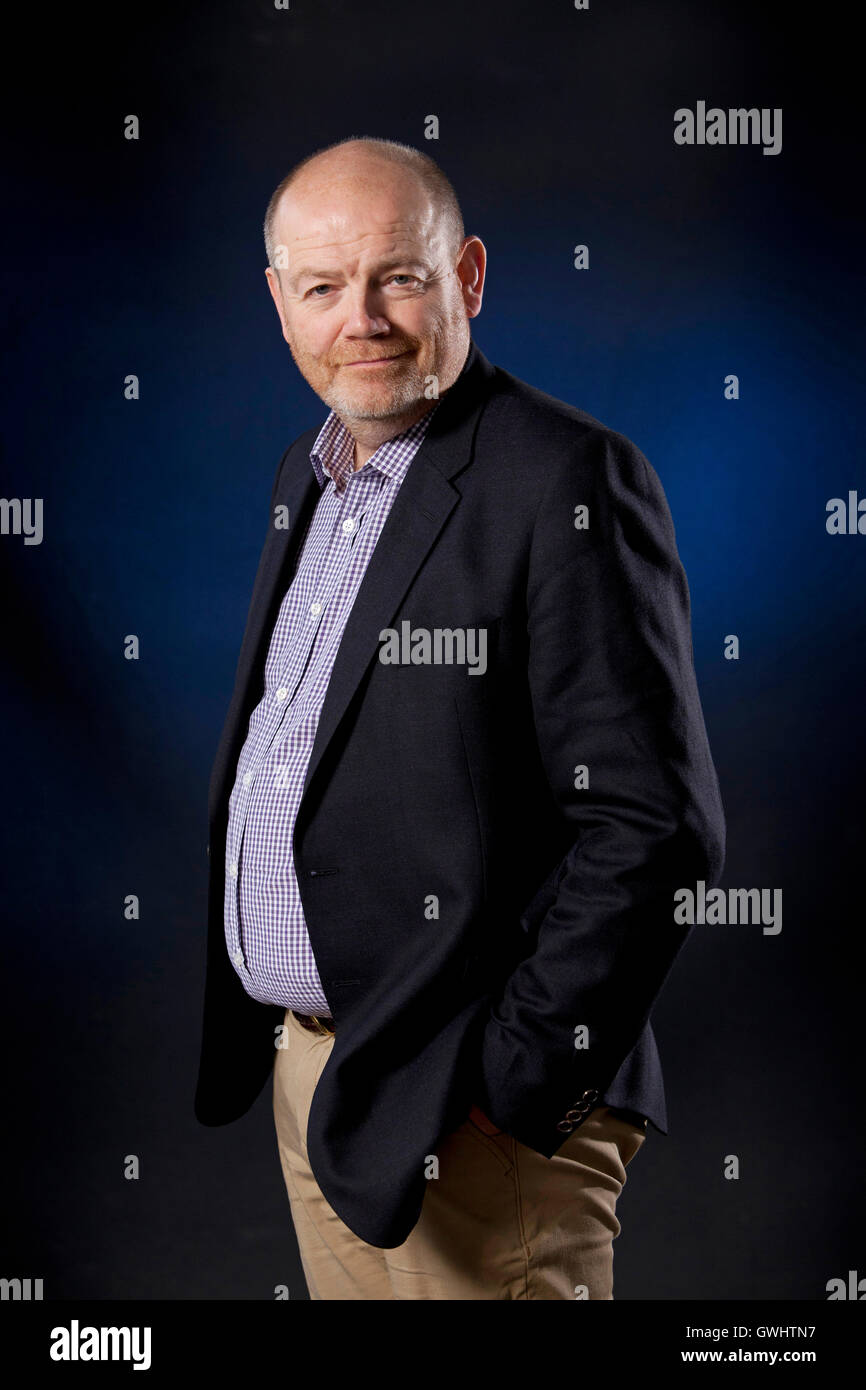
{"type": "Point", "coordinates": [298, 492]}
{"type": "Point", "coordinates": [424, 501]}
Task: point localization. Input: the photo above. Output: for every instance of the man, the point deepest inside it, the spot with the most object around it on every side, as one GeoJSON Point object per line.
{"type": "Point", "coordinates": [463, 772]}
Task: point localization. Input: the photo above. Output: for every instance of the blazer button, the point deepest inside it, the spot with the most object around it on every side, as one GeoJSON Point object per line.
{"type": "Point", "coordinates": [208, 851]}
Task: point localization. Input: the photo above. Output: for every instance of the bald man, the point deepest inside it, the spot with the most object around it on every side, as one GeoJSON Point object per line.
{"type": "Point", "coordinates": [463, 773]}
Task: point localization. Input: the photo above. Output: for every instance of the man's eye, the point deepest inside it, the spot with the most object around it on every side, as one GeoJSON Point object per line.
{"type": "Point", "coordinates": [399, 275]}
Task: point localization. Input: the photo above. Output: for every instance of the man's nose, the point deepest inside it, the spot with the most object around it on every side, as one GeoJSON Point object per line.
{"type": "Point", "coordinates": [364, 311]}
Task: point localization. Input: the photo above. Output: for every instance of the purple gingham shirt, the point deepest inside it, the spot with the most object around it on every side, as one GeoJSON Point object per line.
{"type": "Point", "coordinates": [265, 930]}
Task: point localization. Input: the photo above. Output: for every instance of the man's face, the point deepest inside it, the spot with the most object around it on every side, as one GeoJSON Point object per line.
{"type": "Point", "coordinates": [372, 301]}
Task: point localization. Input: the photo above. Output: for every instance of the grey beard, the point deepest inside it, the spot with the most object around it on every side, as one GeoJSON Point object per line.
{"type": "Point", "coordinates": [408, 393]}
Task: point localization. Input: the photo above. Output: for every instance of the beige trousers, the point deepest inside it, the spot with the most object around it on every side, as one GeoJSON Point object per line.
{"type": "Point", "coordinates": [500, 1220]}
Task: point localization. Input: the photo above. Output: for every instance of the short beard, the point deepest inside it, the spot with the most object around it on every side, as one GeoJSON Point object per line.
{"type": "Point", "coordinates": [406, 394]}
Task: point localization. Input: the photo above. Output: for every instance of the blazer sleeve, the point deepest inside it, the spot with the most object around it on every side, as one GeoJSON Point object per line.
{"type": "Point", "coordinates": [613, 691]}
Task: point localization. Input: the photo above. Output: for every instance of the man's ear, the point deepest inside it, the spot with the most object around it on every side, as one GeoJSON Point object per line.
{"type": "Point", "coordinates": [273, 280]}
{"type": "Point", "coordinates": [471, 268]}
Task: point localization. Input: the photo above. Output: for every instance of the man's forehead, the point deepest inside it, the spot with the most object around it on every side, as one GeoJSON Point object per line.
{"type": "Point", "coordinates": [339, 208]}
{"type": "Point", "coordinates": [332, 244]}
{"type": "Point", "coordinates": [359, 244]}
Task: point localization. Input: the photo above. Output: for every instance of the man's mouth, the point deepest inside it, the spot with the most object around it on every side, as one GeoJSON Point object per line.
{"type": "Point", "coordinates": [375, 361]}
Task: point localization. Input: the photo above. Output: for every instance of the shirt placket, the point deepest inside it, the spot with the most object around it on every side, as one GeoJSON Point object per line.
{"type": "Point", "coordinates": [286, 704]}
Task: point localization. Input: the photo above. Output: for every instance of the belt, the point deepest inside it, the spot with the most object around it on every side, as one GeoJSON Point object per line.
{"type": "Point", "coordinates": [313, 1023]}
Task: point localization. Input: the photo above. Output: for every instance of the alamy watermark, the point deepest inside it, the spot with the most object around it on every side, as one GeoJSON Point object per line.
{"type": "Point", "coordinates": [735, 126]}
{"type": "Point", "coordinates": [22, 516]}
{"type": "Point", "coordinates": [438, 646]}
{"type": "Point", "coordinates": [757, 906]}
{"type": "Point", "coordinates": [77, 1343]}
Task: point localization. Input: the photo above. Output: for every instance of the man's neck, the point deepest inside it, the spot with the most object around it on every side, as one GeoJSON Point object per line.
{"type": "Point", "coordinates": [370, 434]}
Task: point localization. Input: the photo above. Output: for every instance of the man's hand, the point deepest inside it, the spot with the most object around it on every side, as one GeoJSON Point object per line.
{"type": "Point", "coordinates": [479, 1118]}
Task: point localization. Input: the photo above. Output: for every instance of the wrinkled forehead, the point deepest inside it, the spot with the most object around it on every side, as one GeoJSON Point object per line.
{"type": "Point", "coordinates": [354, 209]}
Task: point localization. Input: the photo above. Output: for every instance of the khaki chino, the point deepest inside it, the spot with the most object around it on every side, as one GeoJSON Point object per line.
{"type": "Point", "coordinates": [500, 1220]}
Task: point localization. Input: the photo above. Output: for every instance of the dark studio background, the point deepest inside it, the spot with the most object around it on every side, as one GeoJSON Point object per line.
{"type": "Point", "coordinates": [146, 257]}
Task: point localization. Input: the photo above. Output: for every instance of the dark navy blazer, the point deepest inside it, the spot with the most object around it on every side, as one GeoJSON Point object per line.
{"type": "Point", "coordinates": [476, 904]}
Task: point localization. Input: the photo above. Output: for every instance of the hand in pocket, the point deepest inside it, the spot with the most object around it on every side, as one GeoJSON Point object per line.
{"type": "Point", "coordinates": [479, 1118]}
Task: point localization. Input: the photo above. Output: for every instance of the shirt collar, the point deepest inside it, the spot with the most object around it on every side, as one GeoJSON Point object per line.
{"type": "Point", "coordinates": [333, 452]}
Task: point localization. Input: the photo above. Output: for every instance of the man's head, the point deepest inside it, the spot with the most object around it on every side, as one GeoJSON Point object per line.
{"type": "Point", "coordinates": [368, 260]}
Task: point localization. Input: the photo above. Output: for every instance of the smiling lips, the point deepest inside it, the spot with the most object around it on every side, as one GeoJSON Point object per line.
{"type": "Point", "coordinates": [374, 361]}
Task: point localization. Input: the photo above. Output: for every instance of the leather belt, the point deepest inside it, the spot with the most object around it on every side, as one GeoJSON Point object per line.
{"type": "Point", "coordinates": [313, 1023]}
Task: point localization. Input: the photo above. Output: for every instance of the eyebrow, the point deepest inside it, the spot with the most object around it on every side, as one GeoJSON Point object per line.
{"type": "Point", "coordinates": [307, 271]}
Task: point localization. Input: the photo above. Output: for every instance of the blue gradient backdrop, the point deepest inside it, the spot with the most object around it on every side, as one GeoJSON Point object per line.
{"type": "Point", "coordinates": [147, 258]}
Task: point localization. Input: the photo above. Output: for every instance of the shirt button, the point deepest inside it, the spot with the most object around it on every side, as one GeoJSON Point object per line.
{"type": "Point", "coordinates": [282, 693]}
{"type": "Point", "coordinates": [248, 777]}
{"type": "Point", "coordinates": [238, 957]}
{"type": "Point", "coordinates": [348, 526]}
{"type": "Point", "coordinates": [233, 869]}
{"type": "Point", "coordinates": [315, 609]}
